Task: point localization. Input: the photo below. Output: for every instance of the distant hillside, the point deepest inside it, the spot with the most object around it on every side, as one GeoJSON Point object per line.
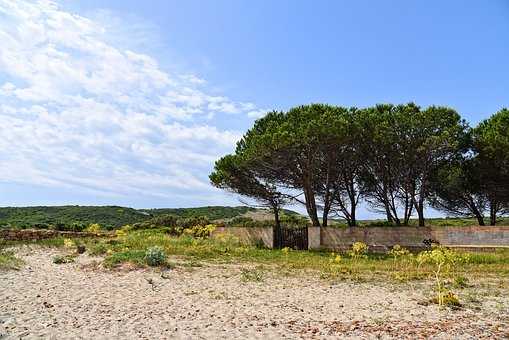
{"type": "Point", "coordinates": [111, 216]}
{"type": "Point", "coordinates": [211, 212]}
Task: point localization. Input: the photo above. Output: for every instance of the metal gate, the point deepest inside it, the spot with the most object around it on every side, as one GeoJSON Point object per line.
{"type": "Point", "coordinates": [291, 237]}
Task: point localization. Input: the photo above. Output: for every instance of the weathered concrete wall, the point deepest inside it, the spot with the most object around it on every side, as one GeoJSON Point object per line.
{"type": "Point", "coordinates": [249, 235]}
{"type": "Point", "coordinates": [314, 238]}
{"type": "Point", "coordinates": [40, 234]}
{"type": "Point", "coordinates": [383, 238]}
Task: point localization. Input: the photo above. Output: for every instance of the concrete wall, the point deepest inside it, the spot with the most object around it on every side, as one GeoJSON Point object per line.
{"type": "Point", "coordinates": [314, 238]}
{"type": "Point", "coordinates": [249, 235]}
{"type": "Point", "coordinates": [383, 238]}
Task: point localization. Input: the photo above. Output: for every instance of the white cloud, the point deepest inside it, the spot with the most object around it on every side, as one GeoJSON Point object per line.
{"type": "Point", "coordinates": [79, 111]}
{"type": "Point", "coordinates": [257, 113]}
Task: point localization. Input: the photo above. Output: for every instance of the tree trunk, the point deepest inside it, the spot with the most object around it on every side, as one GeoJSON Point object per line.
{"type": "Point", "coordinates": [493, 213]}
{"type": "Point", "coordinates": [480, 220]}
{"type": "Point", "coordinates": [277, 229]}
{"type": "Point", "coordinates": [325, 215]}
{"type": "Point", "coordinates": [353, 220]}
{"type": "Point", "coordinates": [311, 206]}
{"type": "Point", "coordinates": [473, 208]}
{"type": "Point", "coordinates": [390, 219]}
{"type": "Point", "coordinates": [420, 212]}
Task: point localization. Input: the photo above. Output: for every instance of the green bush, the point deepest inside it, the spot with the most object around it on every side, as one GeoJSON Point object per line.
{"type": "Point", "coordinates": [60, 259]}
{"type": "Point", "coordinates": [155, 256]}
{"type": "Point", "coordinates": [200, 231]}
{"type": "Point", "coordinates": [359, 250]}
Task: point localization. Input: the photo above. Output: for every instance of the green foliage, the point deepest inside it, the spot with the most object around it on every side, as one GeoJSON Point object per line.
{"type": "Point", "coordinates": [491, 144]}
{"type": "Point", "coordinates": [443, 260]}
{"type": "Point", "coordinates": [226, 248]}
{"type": "Point", "coordinates": [71, 218]}
{"type": "Point", "coordinates": [211, 212]}
{"type": "Point", "coordinates": [359, 250]}
{"type": "Point", "coordinates": [251, 275]}
{"type": "Point", "coordinates": [98, 248]}
{"type": "Point", "coordinates": [78, 218]}
{"type": "Point", "coordinates": [200, 231]}
{"type": "Point", "coordinates": [61, 259]}
{"type": "Point", "coordinates": [446, 298]}
{"type": "Point", "coordinates": [398, 251]}
{"type": "Point", "coordinates": [94, 228]}
{"type": "Point", "coordinates": [460, 282]}
{"type": "Point", "coordinates": [9, 261]}
{"type": "Point", "coordinates": [155, 256]}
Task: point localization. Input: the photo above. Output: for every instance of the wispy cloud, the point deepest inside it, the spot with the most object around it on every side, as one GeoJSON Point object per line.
{"type": "Point", "coordinates": [78, 110]}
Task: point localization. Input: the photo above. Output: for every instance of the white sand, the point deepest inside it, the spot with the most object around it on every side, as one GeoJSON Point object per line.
{"type": "Point", "coordinates": [75, 301]}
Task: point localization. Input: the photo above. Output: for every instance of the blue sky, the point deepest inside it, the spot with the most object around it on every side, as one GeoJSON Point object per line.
{"type": "Point", "coordinates": [129, 102]}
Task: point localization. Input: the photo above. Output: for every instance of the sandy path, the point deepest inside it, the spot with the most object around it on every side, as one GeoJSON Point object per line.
{"type": "Point", "coordinates": [69, 301]}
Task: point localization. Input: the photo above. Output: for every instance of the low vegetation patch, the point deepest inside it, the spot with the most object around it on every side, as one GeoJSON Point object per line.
{"type": "Point", "coordinates": [9, 261]}
{"type": "Point", "coordinates": [153, 247]}
{"type": "Point", "coordinates": [61, 259]}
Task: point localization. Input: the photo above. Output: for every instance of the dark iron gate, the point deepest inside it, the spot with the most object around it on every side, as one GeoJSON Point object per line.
{"type": "Point", "coordinates": [291, 237]}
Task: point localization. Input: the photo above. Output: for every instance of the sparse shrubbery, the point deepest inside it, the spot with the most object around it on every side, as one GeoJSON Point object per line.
{"type": "Point", "coordinates": [8, 260]}
{"type": "Point", "coordinates": [200, 231]}
{"type": "Point", "coordinates": [359, 250]}
{"type": "Point", "coordinates": [60, 259]}
{"type": "Point", "coordinates": [398, 251]}
{"type": "Point", "coordinates": [443, 261]}
{"type": "Point", "coordinates": [251, 275]}
{"type": "Point", "coordinates": [93, 228]}
{"type": "Point", "coordinates": [155, 256]}
{"type": "Point", "coordinates": [403, 259]}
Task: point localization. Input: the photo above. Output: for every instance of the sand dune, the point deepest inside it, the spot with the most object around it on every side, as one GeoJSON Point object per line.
{"type": "Point", "coordinates": [79, 300]}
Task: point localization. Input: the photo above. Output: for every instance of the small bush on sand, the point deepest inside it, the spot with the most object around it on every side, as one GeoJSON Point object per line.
{"type": "Point", "coordinates": [98, 248]}
{"type": "Point", "coordinates": [251, 275]}
{"type": "Point", "coordinates": [60, 259]}
{"type": "Point", "coordinates": [8, 260]}
{"type": "Point", "coordinates": [69, 244]}
{"type": "Point", "coordinates": [447, 298]}
{"type": "Point", "coordinates": [443, 261]}
{"type": "Point", "coordinates": [402, 263]}
{"type": "Point", "coordinates": [155, 256]}
{"type": "Point", "coordinates": [333, 268]}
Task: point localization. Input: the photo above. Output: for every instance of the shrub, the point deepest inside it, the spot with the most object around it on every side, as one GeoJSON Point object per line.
{"type": "Point", "coordinates": [190, 222]}
{"type": "Point", "coordinates": [359, 250]}
{"type": "Point", "coordinates": [200, 231]}
{"type": "Point", "coordinates": [8, 260]}
{"type": "Point", "coordinates": [59, 259]}
{"type": "Point", "coordinates": [161, 221]}
{"type": "Point", "coordinates": [447, 298]}
{"type": "Point", "coordinates": [443, 260]}
{"type": "Point", "coordinates": [70, 244]}
{"type": "Point", "coordinates": [253, 275]}
{"type": "Point", "coordinates": [460, 282]}
{"type": "Point", "coordinates": [155, 256]}
{"type": "Point", "coordinates": [93, 228]}
{"type": "Point", "coordinates": [333, 268]}
{"type": "Point", "coordinates": [120, 233]}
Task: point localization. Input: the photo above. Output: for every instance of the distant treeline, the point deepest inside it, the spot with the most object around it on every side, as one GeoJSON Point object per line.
{"type": "Point", "coordinates": [109, 217]}
{"type": "Point", "coordinates": [398, 159]}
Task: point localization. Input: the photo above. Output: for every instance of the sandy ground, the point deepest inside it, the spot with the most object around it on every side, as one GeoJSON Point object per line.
{"type": "Point", "coordinates": [45, 300]}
